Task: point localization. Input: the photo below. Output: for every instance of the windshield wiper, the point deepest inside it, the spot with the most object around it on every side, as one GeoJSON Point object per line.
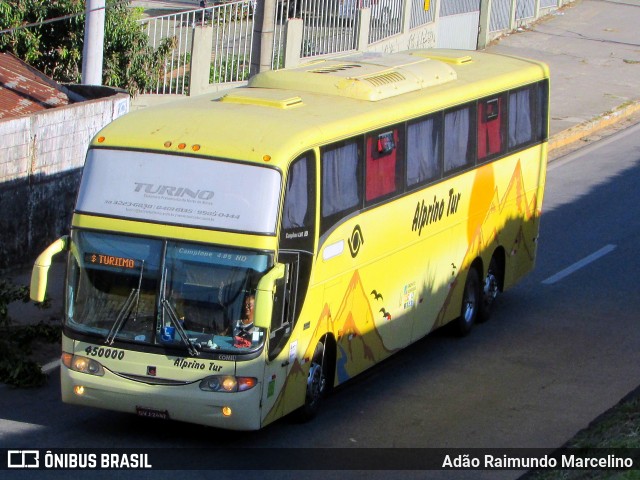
{"type": "Point", "coordinates": [123, 314]}
{"type": "Point", "coordinates": [193, 351]}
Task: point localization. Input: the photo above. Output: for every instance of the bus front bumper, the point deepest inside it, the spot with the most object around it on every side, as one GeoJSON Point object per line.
{"type": "Point", "coordinates": [186, 403]}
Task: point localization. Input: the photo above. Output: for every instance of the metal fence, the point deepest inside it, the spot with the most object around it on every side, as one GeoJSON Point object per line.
{"type": "Point", "coordinates": [332, 26]}
{"type": "Point", "coordinates": [420, 16]}
{"type": "Point", "coordinates": [386, 19]}
{"type": "Point", "coordinates": [500, 17]}
{"type": "Point", "coordinates": [525, 9]}
{"type": "Point", "coordinates": [456, 7]}
{"type": "Point", "coordinates": [328, 27]}
{"type": "Point", "coordinates": [232, 25]}
{"type": "Point", "coordinates": [548, 3]}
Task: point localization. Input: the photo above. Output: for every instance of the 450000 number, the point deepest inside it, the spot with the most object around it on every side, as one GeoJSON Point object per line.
{"type": "Point", "coordinates": [102, 352]}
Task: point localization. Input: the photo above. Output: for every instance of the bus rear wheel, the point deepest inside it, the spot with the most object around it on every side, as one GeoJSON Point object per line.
{"type": "Point", "coordinates": [490, 291]}
{"type": "Point", "coordinates": [471, 298]}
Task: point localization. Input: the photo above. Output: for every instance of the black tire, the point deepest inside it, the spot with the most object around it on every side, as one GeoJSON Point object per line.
{"type": "Point", "coordinates": [471, 299]}
{"type": "Point", "coordinates": [490, 290]}
{"type": "Point", "coordinates": [317, 383]}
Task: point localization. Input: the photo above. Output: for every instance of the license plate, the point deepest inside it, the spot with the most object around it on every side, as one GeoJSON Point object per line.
{"type": "Point", "coordinates": [151, 413]}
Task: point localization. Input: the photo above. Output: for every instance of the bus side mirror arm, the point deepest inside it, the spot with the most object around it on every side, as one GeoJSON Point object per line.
{"type": "Point", "coordinates": [41, 268]}
{"type": "Point", "coordinates": [264, 295]}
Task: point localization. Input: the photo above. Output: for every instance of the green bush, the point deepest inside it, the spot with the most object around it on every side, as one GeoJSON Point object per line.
{"type": "Point", "coordinates": [55, 48]}
{"type": "Point", "coordinates": [15, 342]}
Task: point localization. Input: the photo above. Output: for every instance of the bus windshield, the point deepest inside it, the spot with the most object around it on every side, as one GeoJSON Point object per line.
{"type": "Point", "coordinates": [164, 293]}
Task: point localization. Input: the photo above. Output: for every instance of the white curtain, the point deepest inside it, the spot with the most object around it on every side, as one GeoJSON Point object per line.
{"type": "Point", "coordinates": [423, 148]}
{"type": "Point", "coordinates": [520, 130]}
{"type": "Point", "coordinates": [339, 179]}
{"type": "Point", "coordinates": [456, 138]}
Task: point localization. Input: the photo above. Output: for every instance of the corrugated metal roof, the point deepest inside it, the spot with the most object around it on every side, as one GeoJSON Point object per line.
{"type": "Point", "coordinates": [24, 90]}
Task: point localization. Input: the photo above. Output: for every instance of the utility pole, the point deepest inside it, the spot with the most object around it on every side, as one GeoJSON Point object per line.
{"type": "Point", "coordinates": [263, 30]}
{"type": "Point", "coordinates": [92, 50]}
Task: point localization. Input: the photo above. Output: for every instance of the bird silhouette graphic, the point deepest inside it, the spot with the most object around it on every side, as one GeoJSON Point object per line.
{"type": "Point", "coordinates": [376, 295]}
{"type": "Point", "coordinates": [385, 314]}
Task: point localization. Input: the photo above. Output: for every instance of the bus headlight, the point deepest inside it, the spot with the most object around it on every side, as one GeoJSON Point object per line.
{"type": "Point", "coordinates": [81, 364]}
{"type": "Point", "coordinates": [227, 383]}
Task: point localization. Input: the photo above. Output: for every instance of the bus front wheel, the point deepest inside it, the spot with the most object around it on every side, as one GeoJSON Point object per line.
{"type": "Point", "coordinates": [317, 383]}
{"type": "Point", "coordinates": [471, 298]}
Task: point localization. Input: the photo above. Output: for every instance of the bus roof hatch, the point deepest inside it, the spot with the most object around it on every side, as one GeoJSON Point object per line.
{"type": "Point", "coordinates": [364, 76]}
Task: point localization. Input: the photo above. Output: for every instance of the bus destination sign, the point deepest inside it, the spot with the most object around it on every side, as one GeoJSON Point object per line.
{"type": "Point", "coordinates": [109, 260]}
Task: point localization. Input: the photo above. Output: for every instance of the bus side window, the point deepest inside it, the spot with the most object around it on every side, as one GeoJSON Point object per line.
{"type": "Point", "coordinates": [383, 164]}
{"type": "Point", "coordinates": [341, 184]}
{"type": "Point", "coordinates": [491, 127]}
{"type": "Point", "coordinates": [424, 158]}
{"type": "Point", "coordinates": [298, 211]}
{"type": "Point", "coordinates": [459, 148]}
{"type": "Point", "coordinates": [522, 117]}
{"type": "Point", "coordinates": [297, 236]}
{"type": "Point", "coordinates": [296, 247]}
{"type": "Point", "coordinates": [542, 110]}
{"type": "Point", "coordinates": [280, 327]}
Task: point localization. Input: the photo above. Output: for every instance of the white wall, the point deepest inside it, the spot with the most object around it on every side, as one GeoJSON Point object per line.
{"type": "Point", "coordinates": [41, 160]}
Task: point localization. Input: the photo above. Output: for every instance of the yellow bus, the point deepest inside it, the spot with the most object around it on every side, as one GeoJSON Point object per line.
{"type": "Point", "coordinates": [233, 257]}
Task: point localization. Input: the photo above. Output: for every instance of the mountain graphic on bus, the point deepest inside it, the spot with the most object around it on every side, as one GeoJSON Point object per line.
{"type": "Point", "coordinates": [491, 223]}
{"type": "Point", "coordinates": [360, 344]}
{"type": "Point", "coordinates": [496, 227]}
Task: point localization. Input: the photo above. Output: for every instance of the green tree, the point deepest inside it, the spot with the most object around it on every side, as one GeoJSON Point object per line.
{"type": "Point", "coordinates": [49, 35]}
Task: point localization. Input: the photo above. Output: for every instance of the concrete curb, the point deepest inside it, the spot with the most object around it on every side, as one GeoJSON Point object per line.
{"type": "Point", "coordinates": [578, 132]}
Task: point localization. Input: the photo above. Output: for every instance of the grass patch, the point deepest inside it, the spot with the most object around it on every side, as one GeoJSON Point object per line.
{"type": "Point", "coordinates": [617, 432]}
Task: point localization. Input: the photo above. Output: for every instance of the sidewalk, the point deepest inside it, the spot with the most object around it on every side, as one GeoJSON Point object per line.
{"type": "Point", "coordinates": [593, 50]}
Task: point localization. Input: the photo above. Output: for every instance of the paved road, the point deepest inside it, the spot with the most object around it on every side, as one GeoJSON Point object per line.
{"type": "Point", "coordinates": [561, 349]}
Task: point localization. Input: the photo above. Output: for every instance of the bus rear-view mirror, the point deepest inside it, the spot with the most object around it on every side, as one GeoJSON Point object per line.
{"type": "Point", "coordinates": [264, 295]}
{"type": "Point", "coordinates": [41, 266]}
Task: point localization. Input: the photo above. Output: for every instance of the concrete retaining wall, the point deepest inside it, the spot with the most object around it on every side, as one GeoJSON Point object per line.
{"type": "Point", "coordinates": [41, 162]}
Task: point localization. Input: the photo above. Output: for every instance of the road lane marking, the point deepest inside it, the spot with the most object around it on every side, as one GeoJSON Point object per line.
{"type": "Point", "coordinates": [579, 264]}
{"type": "Point", "coordinates": [9, 429]}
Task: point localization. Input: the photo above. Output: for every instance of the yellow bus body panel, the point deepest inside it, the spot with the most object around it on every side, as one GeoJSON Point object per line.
{"type": "Point", "coordinates": [404, 280]}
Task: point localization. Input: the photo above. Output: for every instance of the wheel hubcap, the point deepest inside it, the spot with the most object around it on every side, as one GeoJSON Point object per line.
{"type": "Point", "coordinates": [469, 304]}
{"type": "Point", "coordinates": [490, 288]}
{"type": "Point", "coordinates": [315, 383]}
